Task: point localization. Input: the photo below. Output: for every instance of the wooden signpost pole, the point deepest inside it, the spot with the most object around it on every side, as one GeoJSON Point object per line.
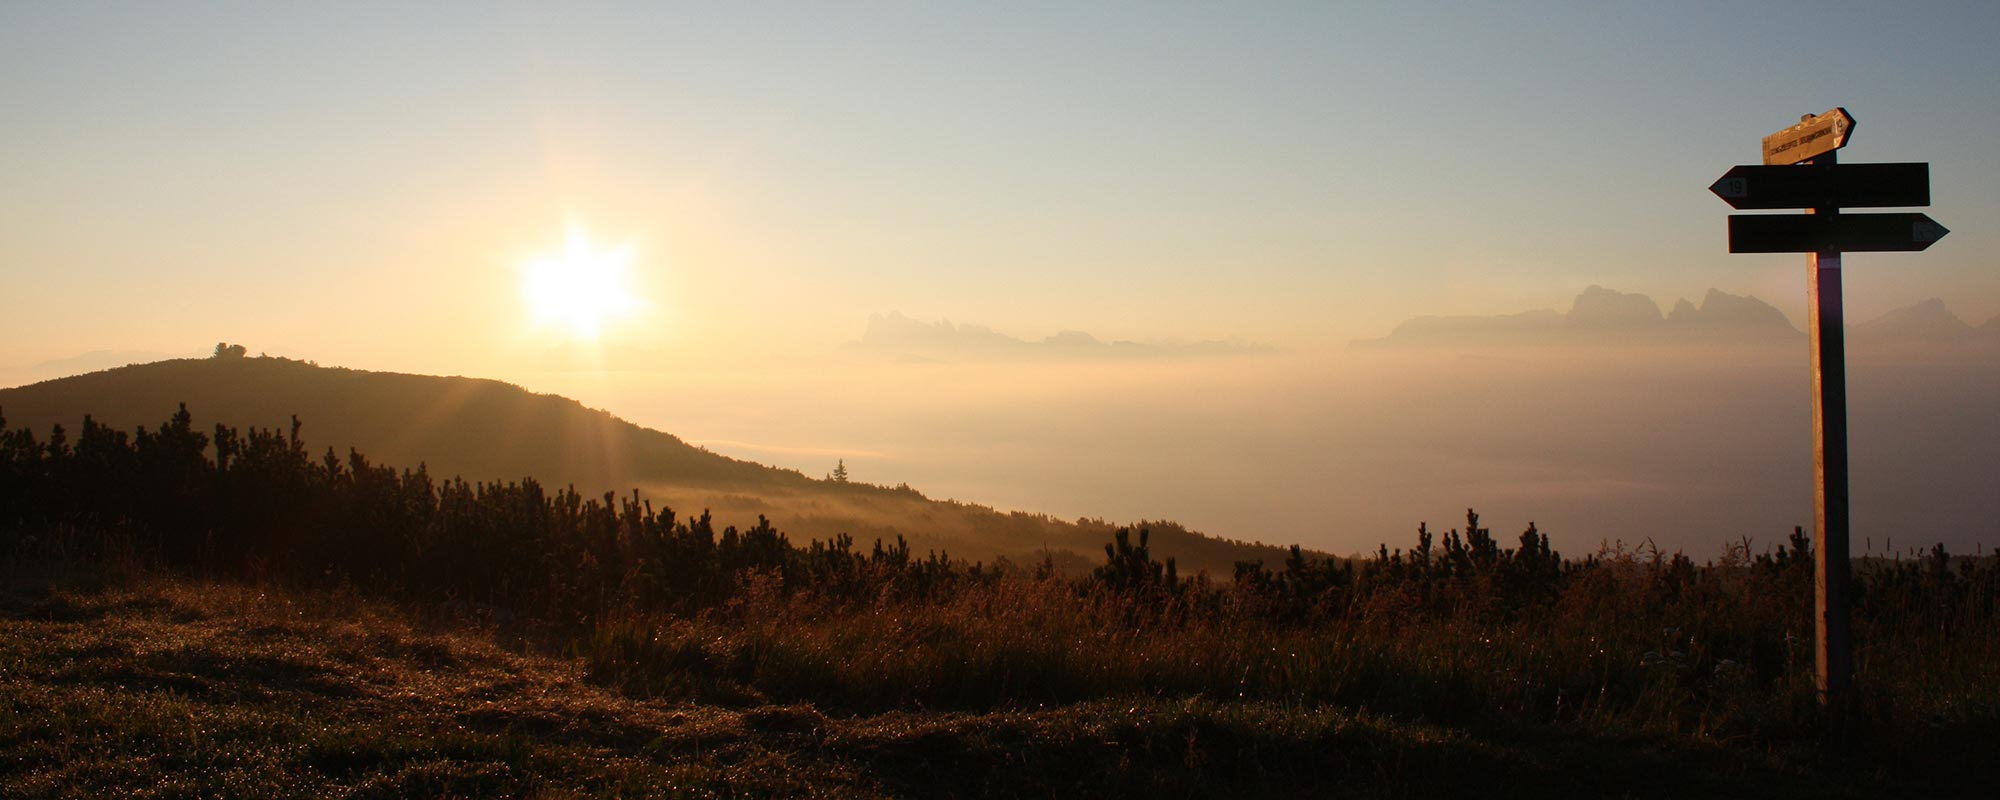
{"type": "Point", "coordinates": [1833, 656]}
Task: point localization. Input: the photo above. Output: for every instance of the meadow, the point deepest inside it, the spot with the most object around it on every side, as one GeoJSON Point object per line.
{"type": "Point", "coordinates": [188, 614]}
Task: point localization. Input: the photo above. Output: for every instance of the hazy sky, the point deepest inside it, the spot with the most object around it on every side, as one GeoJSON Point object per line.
{"type": "Point", "coordinates": [365, 185]}
{"type": "Point", "coordinates": [358, 183]}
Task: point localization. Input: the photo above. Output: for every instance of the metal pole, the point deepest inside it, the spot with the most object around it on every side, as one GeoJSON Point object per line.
{"type": "Point", "coordinates": [1833, 655]}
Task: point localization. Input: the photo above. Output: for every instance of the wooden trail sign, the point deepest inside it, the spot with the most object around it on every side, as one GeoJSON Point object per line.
{"type": "Point", "coordinates": [1752, 187]}
{"type": "Point", "coordinates": [1827, 233]}
{"type": "Point", "coordinates": [1814, 136]}
{"type": "Point", "coordinates": [1823, 186]}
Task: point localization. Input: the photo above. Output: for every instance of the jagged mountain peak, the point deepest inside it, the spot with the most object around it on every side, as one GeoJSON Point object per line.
{"type": "Point", "coordinates": [1722, 310]}
{"type": "Point", "coordinates": [1598, 307]}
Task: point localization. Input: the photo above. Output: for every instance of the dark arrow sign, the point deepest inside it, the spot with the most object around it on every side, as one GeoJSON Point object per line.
{"type": "Point", "coordinates": [1822, 233]}
{"type": "Point", "coordinates": [1825, 186]}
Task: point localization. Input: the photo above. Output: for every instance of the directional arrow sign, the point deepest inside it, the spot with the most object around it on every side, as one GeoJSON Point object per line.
{"type": "Point", "coordinates": [1822, 233]}
{"type": "Point", "coordinates": [1825, 186]}
{"type": "Point", "coordinates": [1812, 137]}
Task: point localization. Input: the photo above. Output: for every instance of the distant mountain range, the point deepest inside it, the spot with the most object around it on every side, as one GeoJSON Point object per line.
{"type": "Point", "coordinates": [904, 339]}
{"type": "Point", "coordinates": [1925, 324]}
{"type": "Point", "coordinates": [485, 430]}
{"type": "Point", "coordinates": [1601, 316]}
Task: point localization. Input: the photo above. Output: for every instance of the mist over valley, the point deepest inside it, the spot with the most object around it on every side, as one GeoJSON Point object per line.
{"type": "Point", "coordinates": [1611, 420]}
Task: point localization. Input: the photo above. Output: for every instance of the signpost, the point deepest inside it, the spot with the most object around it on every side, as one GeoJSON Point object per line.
{"type": "Point", "coordinates": [1814, 136]}
{"type": "Point", "coordinates": [1822, 186]}
{"type": "Point", "coordinates": [1850, 233]}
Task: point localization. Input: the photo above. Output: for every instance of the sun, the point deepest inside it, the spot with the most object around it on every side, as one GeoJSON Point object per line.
{"type": "Point", "coordinates": [581, 289]}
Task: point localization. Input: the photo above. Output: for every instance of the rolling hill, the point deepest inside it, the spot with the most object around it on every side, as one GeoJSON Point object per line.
{"type": "Point", "coordinates": [485, 430]}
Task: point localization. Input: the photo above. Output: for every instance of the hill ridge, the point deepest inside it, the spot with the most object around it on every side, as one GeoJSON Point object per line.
{"type": "Point", "coordinates": [483, 429]}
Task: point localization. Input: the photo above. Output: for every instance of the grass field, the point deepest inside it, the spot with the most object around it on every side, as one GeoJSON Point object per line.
{"type": "Point", "coordinates": [149, 686]}
{"type": "Point", "coordinates": [248, 620]}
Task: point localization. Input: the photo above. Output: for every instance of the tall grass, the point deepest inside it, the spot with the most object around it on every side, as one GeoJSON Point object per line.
{"type": "Point", "coordinates": [1632, 645]}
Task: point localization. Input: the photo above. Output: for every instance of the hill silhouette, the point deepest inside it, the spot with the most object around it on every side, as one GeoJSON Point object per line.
{"type": "Point", "coordinates": [486, 430]}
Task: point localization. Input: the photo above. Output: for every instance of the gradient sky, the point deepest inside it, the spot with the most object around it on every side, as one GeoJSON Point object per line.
{"type": "Point", "coordinates": [363, 184]}
{"type": "Point", "coordinates": [358, 183]}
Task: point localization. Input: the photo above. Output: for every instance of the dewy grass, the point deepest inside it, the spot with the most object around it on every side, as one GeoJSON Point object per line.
{"type": "Point", "coordinates": [1024, 686]}
{"type": "Point", "coordinates": [184, 689]}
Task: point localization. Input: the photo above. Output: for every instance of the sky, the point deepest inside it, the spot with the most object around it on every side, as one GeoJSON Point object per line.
{"type": "Point", "coordinates": [364, 184]}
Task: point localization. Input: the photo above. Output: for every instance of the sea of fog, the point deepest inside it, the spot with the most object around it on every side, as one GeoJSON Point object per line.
{"type": "Point", "coordinates": [1344, 450]}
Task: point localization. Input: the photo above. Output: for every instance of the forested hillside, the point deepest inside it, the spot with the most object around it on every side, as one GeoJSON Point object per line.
{"type": "Point", "coordinates": [486, 431]}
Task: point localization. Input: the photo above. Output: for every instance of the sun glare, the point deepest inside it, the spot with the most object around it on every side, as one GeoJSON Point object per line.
{"type": "Point", "coordinates": [581, 289]}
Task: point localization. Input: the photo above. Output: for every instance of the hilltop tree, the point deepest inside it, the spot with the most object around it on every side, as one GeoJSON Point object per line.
{"type": "Point", "coordinates": [227, 350]}
{"type": "Point", "coordinates": [839, 474]}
